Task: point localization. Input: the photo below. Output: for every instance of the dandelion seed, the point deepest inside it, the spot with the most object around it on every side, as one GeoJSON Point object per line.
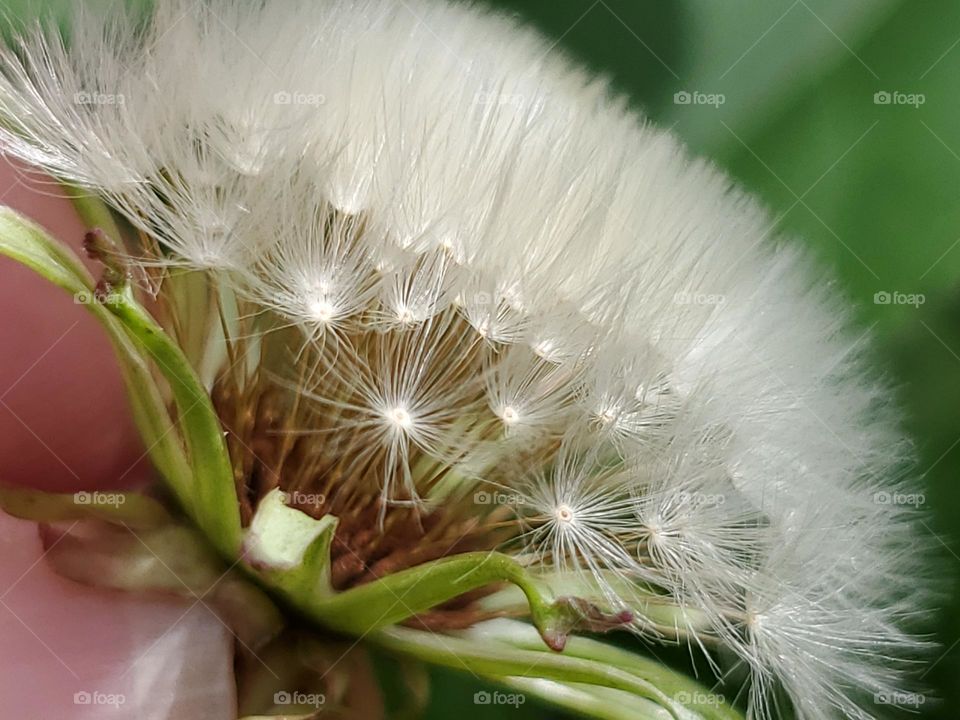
{"type": "Point", "coordinates": [510, 415]}
{"type": "Point", "coordinates": [401, 418]}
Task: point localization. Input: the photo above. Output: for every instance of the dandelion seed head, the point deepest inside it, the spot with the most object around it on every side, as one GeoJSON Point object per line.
{"type": "Point", "coordinates": [434, 281]}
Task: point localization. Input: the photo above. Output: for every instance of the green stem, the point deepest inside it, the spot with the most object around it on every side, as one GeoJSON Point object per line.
{"type": "Point", "coordinates": [211, 501]}
{"type": "Point", "coordinates": [401, 595]}
{"type": "Point", "coordinates": [590, 701]}
{"type": "Point", "coordinates": [92, 210]}
{"type": "Point", "coordinates": [215, 507]}
{"type": "Point", "coordinates": [497, 661]}
{"type": "Point", "coordinates": [677, 685]}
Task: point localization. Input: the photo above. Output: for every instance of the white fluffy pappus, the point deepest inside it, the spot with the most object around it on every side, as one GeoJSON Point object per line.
{"type": "Point", "coordinates": [457, 262]}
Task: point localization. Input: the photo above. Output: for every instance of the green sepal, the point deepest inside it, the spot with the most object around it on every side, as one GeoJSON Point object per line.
{"type": "Point", "coordinates": [655, 611]}
{"type": "Point", "coordinates": [290, 550]}
{"type": "Point", "coordinates": [30, 245]}
{"type": "Point", "coordinates": [401, 595]}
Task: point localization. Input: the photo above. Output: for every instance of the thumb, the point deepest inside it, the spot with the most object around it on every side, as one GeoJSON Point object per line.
{"type": "Point", "coordinates": [64, 419]}
{"type": "Point", "coordinates": [72, 651]}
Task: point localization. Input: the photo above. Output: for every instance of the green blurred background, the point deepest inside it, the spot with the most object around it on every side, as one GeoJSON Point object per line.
{"type": "Point", "coordinates": [844, 117]}
{"type": "Point", "coordinates": [871, 187]}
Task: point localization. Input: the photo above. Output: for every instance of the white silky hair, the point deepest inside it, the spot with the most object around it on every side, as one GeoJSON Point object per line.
{"type": "Point", "coordinates": [627, 298]}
